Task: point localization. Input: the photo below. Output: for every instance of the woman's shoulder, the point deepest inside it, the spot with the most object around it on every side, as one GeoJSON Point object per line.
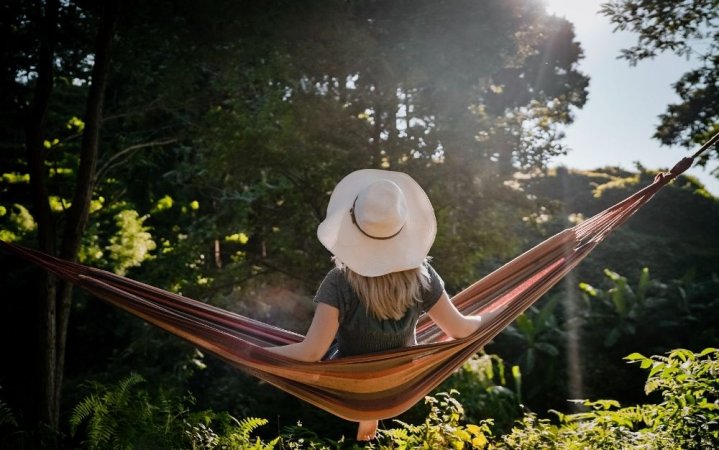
{"type": "Point", "coordinates": [336, 274]}
{"type": "Point", "coordinates": [434, 289]}
{"type": "Point", "coordinates": [432, 273]}
{"type": "Point", "coordinates": [333, 284]}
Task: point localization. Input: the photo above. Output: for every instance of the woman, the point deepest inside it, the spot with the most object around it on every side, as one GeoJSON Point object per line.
{"type": "Point", "coordinates": [380, 226]}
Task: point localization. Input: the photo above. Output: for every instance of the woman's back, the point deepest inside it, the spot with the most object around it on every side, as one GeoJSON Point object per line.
{"type": "Point", "coordinates": [360, 331]}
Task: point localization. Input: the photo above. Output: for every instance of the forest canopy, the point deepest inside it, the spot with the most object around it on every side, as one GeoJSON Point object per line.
{"type": "Point", "coordinates": [194, 146]}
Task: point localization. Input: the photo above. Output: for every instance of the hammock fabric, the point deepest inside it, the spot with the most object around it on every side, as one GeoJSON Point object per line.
{"type": "Point", "coordinates": [363, 387]}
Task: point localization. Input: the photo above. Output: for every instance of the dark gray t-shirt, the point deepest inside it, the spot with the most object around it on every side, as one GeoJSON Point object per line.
{"type": "Point", "coordinates": [359, 331]}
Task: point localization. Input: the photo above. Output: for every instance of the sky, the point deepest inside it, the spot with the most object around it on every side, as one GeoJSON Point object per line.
{"type": "Point", "coordinates": [615, 126]}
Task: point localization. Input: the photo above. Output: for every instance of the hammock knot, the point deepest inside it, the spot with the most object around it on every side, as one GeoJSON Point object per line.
{"type": "Point", "coordinates": [663, 177]}
{"type": "Point", "coordinates": [681, 166]}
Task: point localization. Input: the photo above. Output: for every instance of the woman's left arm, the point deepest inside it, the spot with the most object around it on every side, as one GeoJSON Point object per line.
{"type": "Point", "coordinates": [318, 338]}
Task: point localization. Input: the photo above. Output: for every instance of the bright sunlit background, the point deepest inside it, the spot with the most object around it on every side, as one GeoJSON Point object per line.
{"type": "Point", "coordinates": [616, 125]}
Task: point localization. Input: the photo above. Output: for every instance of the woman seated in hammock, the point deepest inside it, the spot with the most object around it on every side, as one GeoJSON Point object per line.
{"type": "Point", "coordinates": [380, 226]}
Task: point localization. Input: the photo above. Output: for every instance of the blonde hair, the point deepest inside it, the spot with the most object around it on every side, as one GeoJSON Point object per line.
{"type": "Point", "coordinates": [388, 296]}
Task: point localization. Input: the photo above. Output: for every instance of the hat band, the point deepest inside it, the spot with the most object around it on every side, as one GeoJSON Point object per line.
{"type": "Point", "coordinates": [354, 221]}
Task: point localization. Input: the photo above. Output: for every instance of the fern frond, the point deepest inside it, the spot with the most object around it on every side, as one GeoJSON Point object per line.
{"type": "Point", "coordinates": [120, 395]}
{"type": "Point", "coordinates": [83, 411]}
{"type": "Point", "coordinates": [101, 427]}
{"type": "Point", "coordinates": [259, 445]}
{"type": "Point", "coordinates": [247, 425]}
{"type": "Point", "coordinates": [6, 415]}
{"type": "Point", "coordinates": [271, 445]}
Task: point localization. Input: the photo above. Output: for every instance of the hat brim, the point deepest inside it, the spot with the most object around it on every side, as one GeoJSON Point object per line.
{"type": "Point", "coordinates": [375, 257]}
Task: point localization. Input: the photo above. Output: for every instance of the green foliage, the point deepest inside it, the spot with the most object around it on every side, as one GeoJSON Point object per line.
{"type": "Point", "coordinates": [483, 388]}
{"type": "Point", "coordinates": [165, 202]}
{"type": "Point", "coordinates": [17, 224]}
{"type": "Point", "coordinates": [6, 415]}
{"type": "Point", "coordinates": [645, 308]}
{"type": "Point", "coordinates": [617, 183]}
{"type": "Point", "coordinates": [627, 305]}
{"type": "Point", "coordinates": [596, 432]}
{"type": "Point", "coordinates": [324, 88]}
{"type": "Point", "coordinates": [687, 28]}
{"type": "Point", "coordinates": [537, 331]}
{"type": "Point", "coordinates": [441, 429]}
{"type": "Point", "coordinates": [15, 178]}
{"type": "Point", "coordinates": [233, 434]}
{"type": "Point", "coordinates": [687, 418]}
{"type": "Point", "coordinates": [132, 243]}
{"type": "Point", "coordinates": [12, 436]}
{"type": "Point", "coordinates": [124, 416]}
{"type": "Point", "coordinates": [300, 438]}
{"type": "Point", "coordinates": [112, 415]}
{"type": "Point", "coordinates": [689, 385]}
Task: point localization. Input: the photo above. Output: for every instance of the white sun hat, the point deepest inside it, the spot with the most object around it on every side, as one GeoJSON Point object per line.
{"type": "Point", "coordinates": [378, 222]}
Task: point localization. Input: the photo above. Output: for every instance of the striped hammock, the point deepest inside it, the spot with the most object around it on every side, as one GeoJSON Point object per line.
{"type": "Point", "coordinates": [363, 387]}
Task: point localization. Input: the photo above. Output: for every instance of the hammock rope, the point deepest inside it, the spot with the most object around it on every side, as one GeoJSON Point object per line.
{"type": "Point", "coordinates": [363, 387]}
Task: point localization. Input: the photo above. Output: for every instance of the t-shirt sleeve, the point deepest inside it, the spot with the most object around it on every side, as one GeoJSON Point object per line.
{"type": "Point", "coordinates": [436, 288]}
{"type": "Point", "coordinates": [328, 292]}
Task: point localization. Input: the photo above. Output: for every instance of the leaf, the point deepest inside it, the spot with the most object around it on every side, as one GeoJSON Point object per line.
{"type": "Point", "coordinates": [614, 276]}
{"type": "Point", "coordinates": [627, 328]}
{"type": "Point", "coordinates": [588, 289]}
{"type": "Point", "coordinates": [612, 337]}
{"type": "Point", "coordinates": [542, 319]}
{"type": "Point", "coordinates": [603, 404]}
{"type": "Point", "coordinates": [529, 359]}
{"type": "Point", "coordinates": [547, 348]}
{"type": "Point", "coordinates": [682, 354]}
{"type": "Point", "coordinates": [657, 367]}
{"type": "Point", "coordinates": [635, 357]}
{"type": "Point", "coordinates": [619, 301]}
{"type": "Point", "coordinates": [517, 376]}
{"type": "Point", "coordinates": [6, 415]}
{"type": "Point", "coordinates": [525, 325]}
{"type": "Point", "coordinates": [644, 283]}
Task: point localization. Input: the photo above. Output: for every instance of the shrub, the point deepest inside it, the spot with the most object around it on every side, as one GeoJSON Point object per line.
{"type": "Point", "coordinates": [687, 418]}
{"type": "Point", "coordinates": [125, 416]}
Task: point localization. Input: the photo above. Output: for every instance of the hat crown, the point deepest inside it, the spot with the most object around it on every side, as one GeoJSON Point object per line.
{"type": "Point", "coordinates": [381, 209]}
{"type": "Point", "coordinates": [378, 222]}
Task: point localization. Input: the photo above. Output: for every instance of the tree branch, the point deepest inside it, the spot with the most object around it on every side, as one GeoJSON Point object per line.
{"type": "Point", "coordinates": [131, 150]}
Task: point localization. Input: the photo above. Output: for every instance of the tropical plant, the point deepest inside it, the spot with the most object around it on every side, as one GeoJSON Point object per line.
{"type": "Point", "coordinates": [485, 393]}
{"type": "Point", "coordinates": [689, 385]}
{"type": "Point", "coordinates": [652, 310]}
{"type": "Point", "coordinates": [625, 305]}
{"type": "Point", "coordinates": [226, 433]}
{"type": "Point", "coordinates": [117, 416]}
{"type": "Point", "coordinates": [687, 417]}
{"type": "Point", "coordinates": [125, 416]}
{"type": "Point", "coordinates": [11, 435]}
{"type": "Point", "coordinates": [6, 415]}
{"type": "Point", "coordinates": [537, 331]}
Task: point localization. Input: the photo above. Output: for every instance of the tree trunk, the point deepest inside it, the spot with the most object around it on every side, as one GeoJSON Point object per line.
{"type": "Point", "coordinates": [79, 211]}
{"type": "Point", "coordinates": [46, 18]}
{"type": "Point", "coordinates": [55, 296]}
